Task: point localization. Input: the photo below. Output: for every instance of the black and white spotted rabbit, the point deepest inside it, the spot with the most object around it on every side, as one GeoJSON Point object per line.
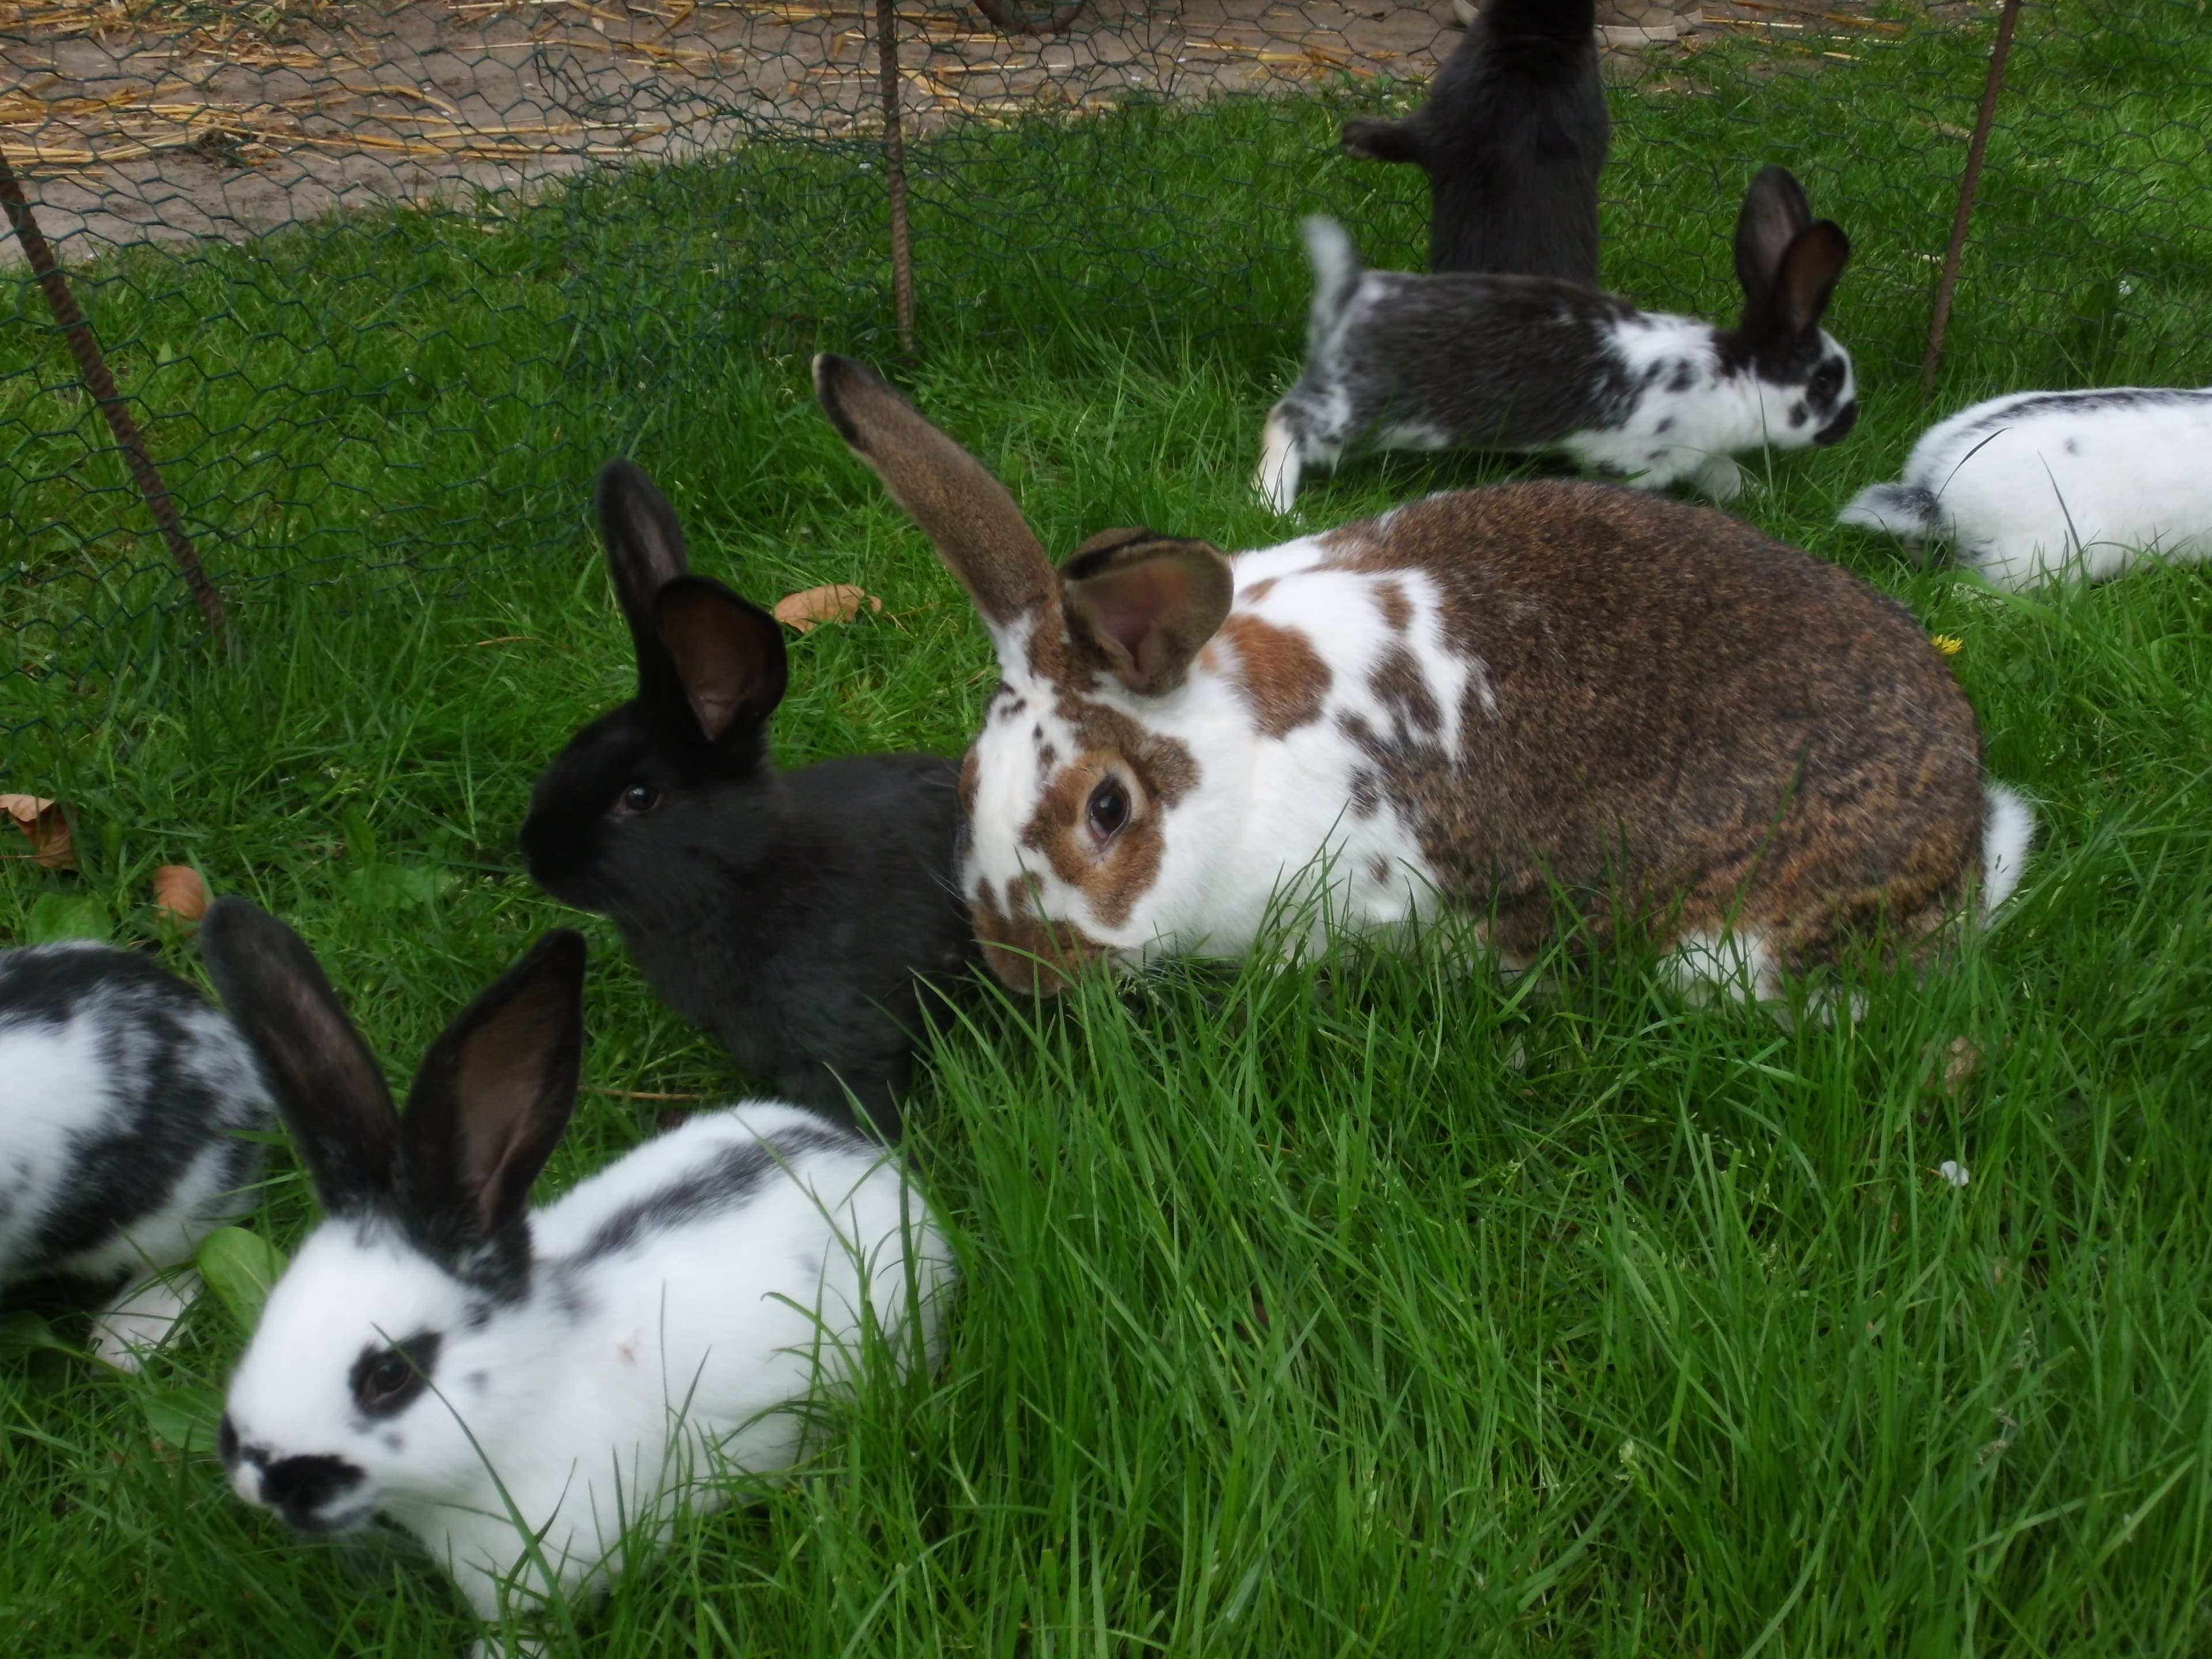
{"type": "Point", "coordinates": [1538, 703]}
{"type": "Point", "coordinates": [129, 1107]}
{"type": "Point", "coordinates": [1395, 361]}
{"type": "Point", "coordinates": [520, 1389]}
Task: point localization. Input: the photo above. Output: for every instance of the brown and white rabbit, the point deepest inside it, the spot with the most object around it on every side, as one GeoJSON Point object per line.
{"type": "Point", "coordinates": [1530, 702]}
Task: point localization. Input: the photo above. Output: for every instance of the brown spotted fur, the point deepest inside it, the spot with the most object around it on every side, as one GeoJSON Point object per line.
{"type": "Point", "coordinates": [1809, 769]}
{"type": "Point", "coordinates": [1280, 674]}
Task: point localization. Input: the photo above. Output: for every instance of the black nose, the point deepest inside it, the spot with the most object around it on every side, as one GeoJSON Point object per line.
{"type": "Point", "coordinates": [300, 1488]}
{"type": "Point", "coordinates": [1839, 429]}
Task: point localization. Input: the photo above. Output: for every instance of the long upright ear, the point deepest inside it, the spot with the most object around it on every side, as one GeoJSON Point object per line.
{"type": "Point", "coordinates": [492, 1098]}
{"type": "Point", "coordinates": [326, 1081]}
{"type": "Point", "coordinates": [728, 656]}
{"type": "Point", "coordinates": [1774, 211]}
{"type": "Point", "coordinates": [1144, 605]}
{"type": "Point", "coordinates": [645, 553]}
{"type": "Point", "coordinates": [978, 531]}
{"type": "Point", "coordinates": [1810, 268]}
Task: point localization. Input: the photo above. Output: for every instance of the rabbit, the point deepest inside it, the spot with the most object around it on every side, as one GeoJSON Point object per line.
{"type": "Point", "coordinates": [1513, 137]}
{"type": "Point", "coordinates": [796, 915]}
{"type": "Point", "coordinates": [1537, 702]}
{"type": "Point", "coordinates": [512, 1386]}
{"type": "Point", "coordinates": [2041, 484]}
{"type": "Point", "coordinates": [1530, 363]}
{"type": "Point", "coordinates": [128, 1106]}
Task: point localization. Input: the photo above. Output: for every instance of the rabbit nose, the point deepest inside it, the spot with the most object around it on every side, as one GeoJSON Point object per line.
{"type": "Point", "coordinates": [301, 1488]}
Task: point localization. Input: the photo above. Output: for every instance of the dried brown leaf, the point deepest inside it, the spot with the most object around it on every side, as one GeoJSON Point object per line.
{"type": "Point", "coordinates": [46, 822]}
{"type": "Point", "coordinates": [840, 602]}
{"type": "Point", "coordinates": [180, 892]}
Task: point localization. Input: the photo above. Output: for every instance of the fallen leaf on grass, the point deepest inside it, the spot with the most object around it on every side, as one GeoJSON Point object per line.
{"type": "Point", "coordinates": [180, 892]}
{"type": "Point", "coordinates": [46, 822]}
{"type": "Point", "coordinates": [840, 602]}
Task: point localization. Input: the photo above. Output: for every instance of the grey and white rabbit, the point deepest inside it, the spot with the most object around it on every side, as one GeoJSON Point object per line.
{"type": "Point", "coordinates": [2043, 484]}
{"type": "Point", "coordinates": [1395, 361]}
{"type": "Point", "coordinates": [127, 1108]}
{"type": "Point", "coordinates": [521, 1387]}
{"type": "Point", "coordinates": [1512, 136]}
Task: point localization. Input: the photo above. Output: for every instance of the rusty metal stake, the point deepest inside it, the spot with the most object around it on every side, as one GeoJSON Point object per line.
{"type": "Point", "coordinates": [92, 368]}
{"type": "Point", "coordinates": [1977, 147]}
{"type": "Point", "coordinates": [895, 171]}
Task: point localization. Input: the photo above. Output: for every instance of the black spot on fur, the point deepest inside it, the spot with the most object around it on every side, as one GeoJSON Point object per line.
{"type": "Point", "coordinates": [1799, 413]}
{"type": "Point", "coordinates": [722, 1185]}
{"type": "Point", "coordinates": [1685, 377]}
{"type": "Point", "coordinates": [2073, 445]}
{"type": "Point", "coordinates": [1666, 424]}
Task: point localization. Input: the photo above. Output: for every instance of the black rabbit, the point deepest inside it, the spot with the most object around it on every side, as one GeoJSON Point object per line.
{"type": "Point", "coordinates": [796, 915]}
{"type": "Point", "coordinates": [1513, 137]}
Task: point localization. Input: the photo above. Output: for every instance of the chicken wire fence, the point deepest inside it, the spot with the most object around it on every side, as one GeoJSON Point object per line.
{"type": "Point", "coordinates": [378, 281]}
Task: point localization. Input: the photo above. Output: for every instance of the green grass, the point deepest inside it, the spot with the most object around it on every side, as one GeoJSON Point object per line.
{"type": "Point", "coordinates": [1365, 1307]}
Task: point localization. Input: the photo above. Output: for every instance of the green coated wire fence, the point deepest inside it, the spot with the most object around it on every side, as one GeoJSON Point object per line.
{"type": "Point", "coordinates": [267, 212]}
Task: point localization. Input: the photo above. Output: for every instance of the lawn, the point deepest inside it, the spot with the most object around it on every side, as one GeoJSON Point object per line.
{"type": "Point", "coordinates": [1363, 1306]}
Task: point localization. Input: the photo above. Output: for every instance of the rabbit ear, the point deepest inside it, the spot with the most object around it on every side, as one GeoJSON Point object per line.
{"type": "Point", "coordinates": [645, 553]}
{"type": "Point", "coordinates": [1810, 268]}
{"type": "Point", "coordinates": [1774, 211]}
{"type": "Point", "coordinates": [978, 531]}
{"type": "Point", "coordinates": [1144, 605]}
{"type": "Point", "coordinates": [728, 655]}
{"type": "Point", "coordinates": [491, 1100]}
{"type": "Point", "coordinates": [326, 1081]}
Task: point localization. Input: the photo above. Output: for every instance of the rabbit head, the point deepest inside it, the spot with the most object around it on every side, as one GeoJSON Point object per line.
{"type": "Point", "coordinates": [1789, 264]}
{"type": "Point", "coordinates": [640, 798]}
{"type": "Point", "coordinates": [372, 1345]}
{"type": "Point", "coordinates": [1067, 787]}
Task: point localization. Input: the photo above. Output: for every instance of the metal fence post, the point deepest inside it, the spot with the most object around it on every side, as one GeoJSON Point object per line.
{"type": "Point", "coordinates": [92, 368]}
{"type": "Point", "coordinates": [895, 171]}
{"type": "Point", "coordinates": [1976, 148]}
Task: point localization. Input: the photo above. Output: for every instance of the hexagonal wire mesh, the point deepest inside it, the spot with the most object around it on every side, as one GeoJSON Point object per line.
{"type": "Point", "coordinates": [256, 204]}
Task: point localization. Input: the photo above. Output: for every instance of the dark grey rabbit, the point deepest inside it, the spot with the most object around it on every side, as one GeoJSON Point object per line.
{"type": "Point", "coordinates": [1513, 137]}
{"type": "Point", "coordinates": [126, 1106]}
{"type": "Point", "coordinates": [796, 915]}
{"type": "Point", "coordinates": [1398, 361]}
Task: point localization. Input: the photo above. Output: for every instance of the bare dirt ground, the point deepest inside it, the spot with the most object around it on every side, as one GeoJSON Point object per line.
{"type": "Point", "coordinates": [136, 120]}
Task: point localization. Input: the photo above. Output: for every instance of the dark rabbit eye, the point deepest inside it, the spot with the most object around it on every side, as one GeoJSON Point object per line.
{"type": "Point", "coordinates": [1828, 379]}
{"type": "Point", "coordinates": [1109, 809]}
{"type": "Point", "coordinates": [385, 1380]}
{"type": "Point", "coordinates": [640, 798]}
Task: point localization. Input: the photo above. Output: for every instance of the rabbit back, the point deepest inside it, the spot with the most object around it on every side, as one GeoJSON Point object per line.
{"type": "Point", "coordinates": [122, 1095]}
{"type": "Point", "coordinates": [1513, 137]}
{"type": "Point", "coordinates": [2037, 485]}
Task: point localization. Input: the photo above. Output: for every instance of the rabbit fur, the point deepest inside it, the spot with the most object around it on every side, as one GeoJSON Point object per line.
{"type": "Point", "coordinates": [2042, 484]}
{"type": "Point", "coordinates": [1515, 700]}
{"type": "Point", "coordinates": [483, 1374]}
{"type": "Point", "coordinates": [128, 1105]}
{"type": "Point", "coordinates": [1512, 138]}
{"type": "Point", "coordinates": [1524, 363]}
{"type": "Point", "coordinates": [797, 915]}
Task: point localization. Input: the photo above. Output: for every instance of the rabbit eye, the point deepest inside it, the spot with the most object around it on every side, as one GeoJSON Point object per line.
{"type": "Point", "coordinates": [387, 1380]}
{"type": "Point", "coordinates": [640, 798]}
{"type": "Point", "coordinates": [1109, 809]}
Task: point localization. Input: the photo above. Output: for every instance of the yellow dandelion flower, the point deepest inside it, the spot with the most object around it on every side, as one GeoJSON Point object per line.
{"type": "Point", "coordinates": [1949, 644]}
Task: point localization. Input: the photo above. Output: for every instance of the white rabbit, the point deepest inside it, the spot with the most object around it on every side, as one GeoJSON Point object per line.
{"type": "Point", "coordinates": [2041, 484]}
{"type": "Point", "coordinates": [1535, 703]}
{"type": "Point", "coordinates": [127, 1104]}
{"type": "Point", "coordinates": [485, 1375]}
{"type": "Point", "coordinates": [1397, 361]}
